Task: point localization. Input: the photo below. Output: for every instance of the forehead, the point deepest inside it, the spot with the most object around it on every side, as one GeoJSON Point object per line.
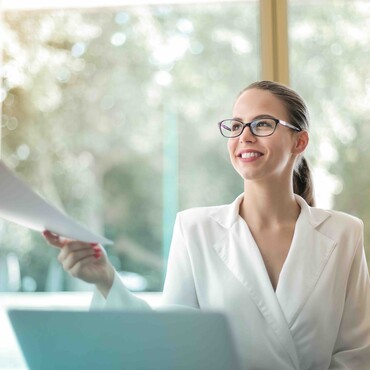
{"type": "Point", "coordinates": [254, 102]}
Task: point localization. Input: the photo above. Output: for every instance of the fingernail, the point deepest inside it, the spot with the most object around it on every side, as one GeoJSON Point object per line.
{"type": "Point", "coordinates": [97, 255]}
{"type": "Point", "coordinates": [96, 249]}
{"type": "Point", "coordinates": [94, 244]}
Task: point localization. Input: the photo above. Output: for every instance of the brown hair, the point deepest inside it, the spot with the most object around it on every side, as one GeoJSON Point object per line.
{"type": "Point", "coordinates": [299, 117]}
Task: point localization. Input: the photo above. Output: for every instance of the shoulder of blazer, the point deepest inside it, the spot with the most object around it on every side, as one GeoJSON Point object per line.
{"type": "Point", "coordinates": [322, 219]}
{"type": "Point", "coordinates": [201, 214]}
{"type": "Point", "coordinates": [224, 215]}
{"type": "Point", "coordinates": [338, 216]}
{"type": "Point", "coordinates": [329, 222]}
{"type": "Point", "coordinates": [339, 224]}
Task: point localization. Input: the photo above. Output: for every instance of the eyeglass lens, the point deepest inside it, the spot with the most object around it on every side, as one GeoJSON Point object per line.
{"type": "Point", "coordinates": [261, 127]}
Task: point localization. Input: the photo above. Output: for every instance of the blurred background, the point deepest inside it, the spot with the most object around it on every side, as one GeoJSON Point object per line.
{"type": "Point", "coordinates": [110, 113]}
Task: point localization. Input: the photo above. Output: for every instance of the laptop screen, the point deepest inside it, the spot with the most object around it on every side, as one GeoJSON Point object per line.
{"type": "Point", "coordinates": [172, 340]}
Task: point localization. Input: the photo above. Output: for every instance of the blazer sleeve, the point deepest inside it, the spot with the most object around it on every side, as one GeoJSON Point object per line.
{"type": "Point", "coordinates": [352, 347]}
{"type": "Point", "coordinates": [119, 297]}
{"type": "Point", "coordinates": [179, 288]}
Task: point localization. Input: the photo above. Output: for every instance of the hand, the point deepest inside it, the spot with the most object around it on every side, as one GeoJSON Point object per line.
{"type": "Point", "coordinates": [85, 261]}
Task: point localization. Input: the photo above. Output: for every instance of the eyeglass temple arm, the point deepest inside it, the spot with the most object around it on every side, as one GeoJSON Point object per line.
{"type": "Point", "coordinates": [289, 125]}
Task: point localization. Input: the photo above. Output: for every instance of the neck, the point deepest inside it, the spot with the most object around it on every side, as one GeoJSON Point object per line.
{"type": "Point", "coordinates": [269, 204]}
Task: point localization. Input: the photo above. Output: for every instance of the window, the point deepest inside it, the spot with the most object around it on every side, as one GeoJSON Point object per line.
{"type": "Point", "coordinates": [329, 52]}
{"type": "Point", "coordinates": [110, 113]}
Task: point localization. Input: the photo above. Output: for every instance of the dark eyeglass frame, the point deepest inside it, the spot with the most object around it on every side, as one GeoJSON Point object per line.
{"type": "Point", "coordinates": [252, 126]}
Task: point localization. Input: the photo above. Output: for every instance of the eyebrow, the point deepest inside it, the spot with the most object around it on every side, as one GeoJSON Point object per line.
{"type": "Point", "coordinates": [256, 117]}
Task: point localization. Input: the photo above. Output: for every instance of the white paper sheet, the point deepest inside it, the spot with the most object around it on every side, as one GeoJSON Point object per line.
{"type": "Point", "coordinates": [21, 205]}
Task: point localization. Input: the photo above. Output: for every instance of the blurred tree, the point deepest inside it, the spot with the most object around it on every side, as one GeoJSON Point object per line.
{"type": "Point", "coordinates": [86, 96]}
{"type": "Point", "coordinates": [329, 50]}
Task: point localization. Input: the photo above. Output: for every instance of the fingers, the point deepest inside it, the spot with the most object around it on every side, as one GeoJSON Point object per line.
{"type": "Point", "coordinates": [60, 242]}
{"type": "Point", "coordinates": [54, 239]}
{"type": "Point", "coordinates": [70, 258]}
{"type": "Point", "coordinates": [76, 269]}
{"type": "Point", "coordinates": [75, 256]}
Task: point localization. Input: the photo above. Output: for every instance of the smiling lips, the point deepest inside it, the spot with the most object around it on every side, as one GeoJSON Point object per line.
{"type": "Point", "coordinates": [249, 155]}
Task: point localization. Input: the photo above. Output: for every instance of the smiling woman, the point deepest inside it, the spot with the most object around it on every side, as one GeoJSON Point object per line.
{"type": "Point", "coordinates": [248, 259]}
{"type": "Point", "coordinates": [110, 113]}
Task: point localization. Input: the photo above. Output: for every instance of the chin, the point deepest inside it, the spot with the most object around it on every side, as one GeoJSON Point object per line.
{"type": "Point", "coordinates": [252, 175]}
{"type": "Point", "coordinates": [248, 176]}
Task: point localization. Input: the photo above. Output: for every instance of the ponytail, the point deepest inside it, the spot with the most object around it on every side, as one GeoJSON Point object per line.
{"type": "Point", "coordinates": [302, 182]}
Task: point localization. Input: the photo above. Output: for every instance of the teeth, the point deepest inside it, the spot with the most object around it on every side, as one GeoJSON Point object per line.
{"type": "Point", "coordinates": [250, 154]}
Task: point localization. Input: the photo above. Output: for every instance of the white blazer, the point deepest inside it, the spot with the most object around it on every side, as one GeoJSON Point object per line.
{"type": "Point", "coordinates": [319, 316]}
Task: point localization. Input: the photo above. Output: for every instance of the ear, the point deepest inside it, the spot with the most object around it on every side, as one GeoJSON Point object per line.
{"type": "Point", "coordinates": [301, 142]}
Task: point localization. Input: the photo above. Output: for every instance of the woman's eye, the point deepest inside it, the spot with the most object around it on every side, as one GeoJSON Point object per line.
{"type": "Point", "coordinates": [264, 123]}
{"type": "Point", "coordinates": [235, 126]}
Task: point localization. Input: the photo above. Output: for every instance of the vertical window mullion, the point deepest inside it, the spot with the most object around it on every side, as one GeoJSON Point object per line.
{"type": "Point", "coordinates": [274, 40]}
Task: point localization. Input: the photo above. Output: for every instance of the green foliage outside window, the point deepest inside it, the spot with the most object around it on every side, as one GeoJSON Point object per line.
{"type": "Point", "coordinates": [90, 97]}
{"type": "Point", "coordinates": [329, 58]}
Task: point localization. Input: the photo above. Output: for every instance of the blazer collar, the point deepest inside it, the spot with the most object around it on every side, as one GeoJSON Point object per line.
{"type": "Point", "coordinates": [228, 214]}
{"type": "Point", "coordinates": [241, 255]}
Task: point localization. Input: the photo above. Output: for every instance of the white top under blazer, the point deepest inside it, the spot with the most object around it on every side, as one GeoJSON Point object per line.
{"type": "Point", "coordinates": [317, 319]}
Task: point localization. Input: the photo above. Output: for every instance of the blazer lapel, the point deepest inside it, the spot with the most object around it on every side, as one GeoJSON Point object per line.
{"type": "Point", "coordinates": [241, 255]}
{"type": "Point", "coordinates": [309, 252]}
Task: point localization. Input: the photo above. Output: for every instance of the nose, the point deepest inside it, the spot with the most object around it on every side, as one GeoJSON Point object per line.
{"type": "Point", "coordinates": [247, 136]}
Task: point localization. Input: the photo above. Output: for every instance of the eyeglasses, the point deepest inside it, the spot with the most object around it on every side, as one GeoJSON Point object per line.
{"type": "Point", "coordinates": [231, 128]}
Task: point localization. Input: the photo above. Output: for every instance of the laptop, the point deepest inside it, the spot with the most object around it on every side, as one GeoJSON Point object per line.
{"type": "Point", "coordinates": [125, 340]}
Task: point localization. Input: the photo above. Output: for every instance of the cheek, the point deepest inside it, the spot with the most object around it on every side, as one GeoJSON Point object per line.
{"type": "Point", "coordinates": [231, 146]}
{"type": "Point", "coordinates": [281, 153]}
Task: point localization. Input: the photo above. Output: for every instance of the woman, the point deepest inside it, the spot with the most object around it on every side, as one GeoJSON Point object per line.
{"type": "Point", "coordinates": [292, 278]}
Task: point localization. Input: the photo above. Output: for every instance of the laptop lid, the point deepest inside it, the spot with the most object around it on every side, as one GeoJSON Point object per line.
{"type": "Point", "coordinates": [124, 340]}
